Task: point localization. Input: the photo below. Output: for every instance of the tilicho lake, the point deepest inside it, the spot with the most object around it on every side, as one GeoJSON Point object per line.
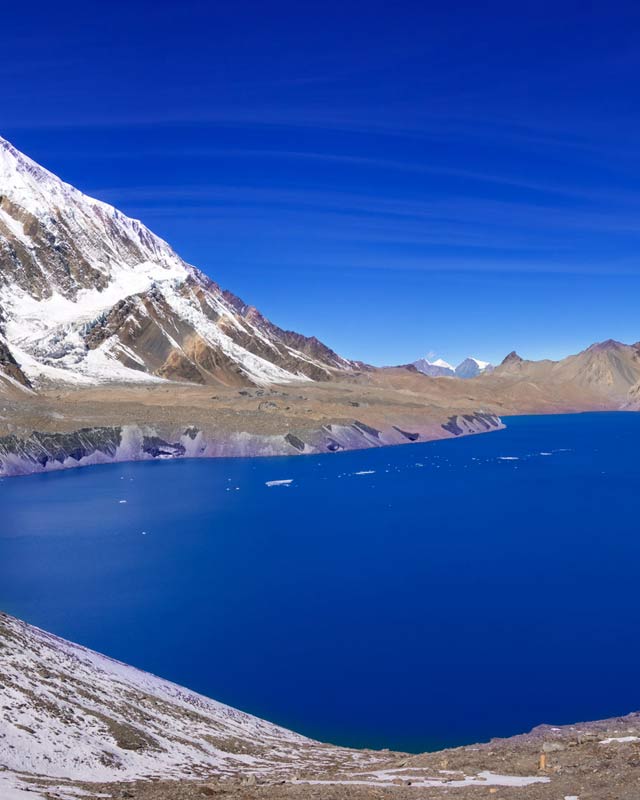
{"type": "Point", "coordinates": [410, 597]}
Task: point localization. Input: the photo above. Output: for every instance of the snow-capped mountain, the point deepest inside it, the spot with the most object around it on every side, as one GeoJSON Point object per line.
{"type": "Point", "coordinates": [90, 295]}
{"type": "Point", "coordinates": [471, 367]}
{"type": "Point", "coordinates": [468, 368]}
{"type": "Point", "coordinates": [436, 369]}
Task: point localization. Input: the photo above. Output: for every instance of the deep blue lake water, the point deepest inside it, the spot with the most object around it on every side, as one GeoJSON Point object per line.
{"type": "Point", "coordinates": [463, 589]}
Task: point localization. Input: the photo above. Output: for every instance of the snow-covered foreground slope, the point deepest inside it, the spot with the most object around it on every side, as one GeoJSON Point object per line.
{"type": "Point", "coordinates": [69, 715]}
{"type": "Point", "coordinates": [88, 295]}
{"type": "Point", "coordinates": [68, 712]}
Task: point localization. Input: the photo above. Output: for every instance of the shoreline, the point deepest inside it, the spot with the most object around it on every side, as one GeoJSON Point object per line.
{"type": "Point", "coordinates": [42, 452]}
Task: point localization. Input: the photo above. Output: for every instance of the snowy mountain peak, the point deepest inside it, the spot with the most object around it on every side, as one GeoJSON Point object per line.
{"type": "Point", "coordinates": [25, 182]}
{"type": "Point", "coordinates": [469, 368]}
{"type": "Point", "coordinates": [480, 364]}
{"type": "Point", "coordinates": [440, 362]}
{"type": "Point", "coordinates": [435, 369]}
{"type": "Point", "coordinates": [88, 294]}
{"type": "Point", "coordinates": [472, 367]}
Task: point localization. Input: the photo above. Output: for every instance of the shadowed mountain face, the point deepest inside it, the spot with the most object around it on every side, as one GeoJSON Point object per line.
{"type": "Point", "coordinates": [88, 295]}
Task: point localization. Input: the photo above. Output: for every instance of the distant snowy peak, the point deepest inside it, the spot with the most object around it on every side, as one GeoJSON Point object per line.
{"type": "Point", "coordinates": [435, 369]}
{"type": "Point", "coordinates": [440, 362]}
{"type": "Point", "coordinates": [480, 364]}
{"type": "Point", "coordinates": [472, 367]}
{"type": "Point", "coordinates": [469, 368]}
{"type": "Point", "coordinates": [89, 295]}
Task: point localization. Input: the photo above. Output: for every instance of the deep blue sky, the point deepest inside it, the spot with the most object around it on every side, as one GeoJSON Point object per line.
{"type": "Point", "coordinates": [396, 178]}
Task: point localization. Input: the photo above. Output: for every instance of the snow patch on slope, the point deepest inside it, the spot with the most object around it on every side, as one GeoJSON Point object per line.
{"type": "Point", "coordinates": [71, 713]}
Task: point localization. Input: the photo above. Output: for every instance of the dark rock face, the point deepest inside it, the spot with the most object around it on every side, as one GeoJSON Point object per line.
{"type": "Point", "coordinates": [42, 448]}
{"type": "Point", "coordinates": [471, 423]}
{"type": "Point", "coordinates": [452, 426]}
{"type": "Point", "coordinates": [294, 441]}
{"type": "Point", "coordinates": [66, 266]}
{"type": "Point", "coordinates": [367, 429]}
{"type": "Point", "coordinates": [158, 448]}
{"type": "Point", "coordinates": [10, 367]}
{"type": "Point", "coordinates": [412, 437]}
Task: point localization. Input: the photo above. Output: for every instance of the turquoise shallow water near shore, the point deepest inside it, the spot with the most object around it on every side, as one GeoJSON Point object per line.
{"type": "Point", "coordinates": [409, 597]}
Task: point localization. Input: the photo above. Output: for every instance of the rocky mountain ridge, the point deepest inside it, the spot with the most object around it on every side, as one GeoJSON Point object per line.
{"type": "Point", "coordinates": [610, 367]}
{"type": "Point", "coordinates": [89, 295]}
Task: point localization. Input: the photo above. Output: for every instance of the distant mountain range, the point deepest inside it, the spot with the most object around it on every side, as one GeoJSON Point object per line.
{"type": "Point", "coordinates": [469, 368]}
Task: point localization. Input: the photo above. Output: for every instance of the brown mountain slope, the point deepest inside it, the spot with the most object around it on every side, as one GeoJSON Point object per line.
{"type": "Point", "coordinates": [607, 370]}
